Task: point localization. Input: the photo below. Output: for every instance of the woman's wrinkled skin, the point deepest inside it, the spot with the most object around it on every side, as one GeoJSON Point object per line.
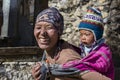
{"type": "Point", "coordinates": [46, 36]}
{"type": "Point", "coordinates": [36, 71]}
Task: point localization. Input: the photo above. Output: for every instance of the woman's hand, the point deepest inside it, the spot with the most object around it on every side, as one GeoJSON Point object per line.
{"type": "Point", "coordinates": [36, 71]}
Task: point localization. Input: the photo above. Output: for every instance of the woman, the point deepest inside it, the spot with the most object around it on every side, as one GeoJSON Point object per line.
{"type": "Point", "coordinates": [48, 29]}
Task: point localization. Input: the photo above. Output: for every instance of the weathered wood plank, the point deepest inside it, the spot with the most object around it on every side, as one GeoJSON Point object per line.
{"type": "Point", "coordinates": [19, 50]}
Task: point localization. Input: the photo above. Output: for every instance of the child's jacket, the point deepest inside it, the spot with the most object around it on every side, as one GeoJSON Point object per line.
{"type": "Point", "coordinates": [99, 60]}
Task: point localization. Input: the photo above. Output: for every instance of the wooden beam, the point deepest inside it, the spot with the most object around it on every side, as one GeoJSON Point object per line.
{"type": "Point", "coordinates": [20, 50]}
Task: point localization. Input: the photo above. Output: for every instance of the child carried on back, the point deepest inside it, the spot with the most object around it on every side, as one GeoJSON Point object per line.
{"type": "Point", "coordinates": [96, 57]}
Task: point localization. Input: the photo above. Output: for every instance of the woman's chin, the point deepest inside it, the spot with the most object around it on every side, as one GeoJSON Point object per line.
{"type": "Point", "coordinates": [43, 46]}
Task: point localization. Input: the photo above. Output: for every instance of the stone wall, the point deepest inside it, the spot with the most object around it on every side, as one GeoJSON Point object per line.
{"type": "Point", "coordinates": [16, 62]}
{"type": "Point", "coordinates": [16, 71]}
{"type": "Point", "coordinates": [73, 11]}
{"type": "Point", "coordinates": [18, 67]}
{"type": "Point", "coordinates": [113, 30]}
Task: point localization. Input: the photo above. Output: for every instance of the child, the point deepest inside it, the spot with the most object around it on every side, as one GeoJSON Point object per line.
{"type": "Point", "coordinates": [96, 62]}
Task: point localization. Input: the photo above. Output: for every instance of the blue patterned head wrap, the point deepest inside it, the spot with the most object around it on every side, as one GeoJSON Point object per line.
{"type": "Point", "coordinates": [52, 15]}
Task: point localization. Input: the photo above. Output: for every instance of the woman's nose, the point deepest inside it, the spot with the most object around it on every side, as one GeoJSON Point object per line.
{"type": "Point", "coordinates": [43, 32]}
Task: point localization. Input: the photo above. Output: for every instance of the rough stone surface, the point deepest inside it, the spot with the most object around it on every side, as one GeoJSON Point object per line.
{"type": "Point", "coordinates": [16, 70]}
{"type": "Point", "coordinates": [72, 10]}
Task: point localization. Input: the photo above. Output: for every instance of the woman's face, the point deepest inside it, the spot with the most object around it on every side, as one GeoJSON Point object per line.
{"type": "Point", "coordinates": [86, 37]}
{"type": "Point", "coordinates": [46, 35]}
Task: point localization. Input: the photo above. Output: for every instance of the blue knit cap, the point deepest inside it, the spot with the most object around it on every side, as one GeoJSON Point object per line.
{"type": "Point", "coordinates": [52, 15]}
{"type": "Point", "coordinates": [93, 21]}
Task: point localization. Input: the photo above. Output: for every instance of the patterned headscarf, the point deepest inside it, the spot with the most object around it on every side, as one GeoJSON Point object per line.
{"type": "Point", "coordinates": [52, 15]}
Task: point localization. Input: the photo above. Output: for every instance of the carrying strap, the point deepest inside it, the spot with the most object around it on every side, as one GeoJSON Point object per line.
{"type": "Point", "coordinates": [56, 70]}
{"type": "Point", "coordinates": [65, 72]}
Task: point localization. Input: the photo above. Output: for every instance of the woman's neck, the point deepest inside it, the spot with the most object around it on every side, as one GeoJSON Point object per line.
{"type": "Point", "coordinates": [52, 52]}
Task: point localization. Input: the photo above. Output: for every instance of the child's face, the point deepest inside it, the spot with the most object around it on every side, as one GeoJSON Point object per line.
{"type": "Point", "coordinates": [86, 37]}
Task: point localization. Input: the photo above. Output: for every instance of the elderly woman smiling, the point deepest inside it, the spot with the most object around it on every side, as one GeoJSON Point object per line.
{"type": "Point", "coordinates": [48, 29]}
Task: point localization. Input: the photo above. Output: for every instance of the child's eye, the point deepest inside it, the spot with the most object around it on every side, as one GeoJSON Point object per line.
{"type": "Point", "coordinates": [87, 34]}
{"type": "Point", "coordinates": [81, 34]}
{"type": "Point", "coordinates": [84, 34]}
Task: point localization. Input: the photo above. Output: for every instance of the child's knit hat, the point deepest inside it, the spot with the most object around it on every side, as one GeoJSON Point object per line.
{"type": "Point", "coordinates": [93, 21]}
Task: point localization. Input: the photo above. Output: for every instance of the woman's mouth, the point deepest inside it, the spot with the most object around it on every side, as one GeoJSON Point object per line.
{"type": "Point", "coordinates": [44, 41]}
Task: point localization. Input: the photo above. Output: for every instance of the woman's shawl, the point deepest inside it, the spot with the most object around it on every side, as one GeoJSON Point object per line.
{"type": "Point", "coordinates": [67, 52]}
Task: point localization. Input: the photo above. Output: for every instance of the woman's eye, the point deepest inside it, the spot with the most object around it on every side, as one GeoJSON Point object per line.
{"type": "Point", "coordinates": [49, 27]}
{"type": "Point", "coordinates": [44, 27]}
{"type": "Point", "coordinates": [38, 27]}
